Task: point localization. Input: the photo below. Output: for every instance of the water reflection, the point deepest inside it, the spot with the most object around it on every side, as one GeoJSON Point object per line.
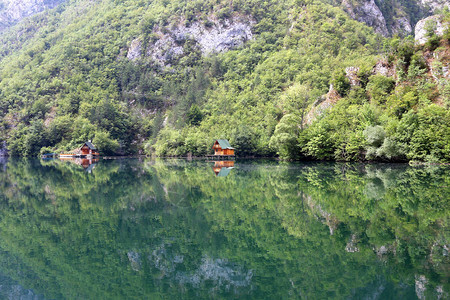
{"type": "Point", "coordinates": [170, 229]}
{"type": "Point", "coordinates": [223, 168]}
{"type": "Point", "coordinates": [87, 163]}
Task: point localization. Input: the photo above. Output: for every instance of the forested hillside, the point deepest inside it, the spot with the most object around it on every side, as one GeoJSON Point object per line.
{"type": "Point", "coordinates": [168, 77]}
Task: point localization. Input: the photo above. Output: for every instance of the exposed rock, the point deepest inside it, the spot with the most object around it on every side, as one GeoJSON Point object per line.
{"type": "Point", "coordinates": [12, 11]}
{"type": "Point", "coordinates": [382, 67]}
{"type": "Point", "coordinates": [3, 149]}
{"type": "Point", "coordinates": [401, 25]}
{"type": "Point", "coordinates": [135, 260]}
{"type": "Point", "coordinates": [10, 289]}
{"type": "Point", "coordinates": [325, 217]}
{"type": "Point", "coordinates": [384, 250]}
{"type": "Point", "coordinates": [322, 105]}
{"type": "Point", "coordinates": [352, 244]}
{"type": "Point", "coordinates": [436, 4]}
{"type": "Point", "coordinates": [434, 23]}
{"type": "Point", "coordinates": [440, 293]}
{"type": "Point", "coordinates": [352, 74]}
{"type": "Point", "coordinates": [421, 282]}
{"type": "Point", "coordinates": [165, 49]}
{"type": "Point", "coordinates": [214, 36]}
{"type": "Point", "coordinates": [134, 51]}
{"type": "Point", "coordinates": [219, 273]}
{"type": "Point", "coordinates": [367, 12]}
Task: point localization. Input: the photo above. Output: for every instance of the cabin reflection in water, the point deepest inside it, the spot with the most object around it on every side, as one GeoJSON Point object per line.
{"type": "Point", "coordinates": [86, 163]}
{"type": "Point", "coordinates": [223, 168]}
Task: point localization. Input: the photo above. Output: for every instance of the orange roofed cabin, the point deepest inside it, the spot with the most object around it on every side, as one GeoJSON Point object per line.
{"type": "Point", "coordinates": [223, 147]}
{"type": "Point", "coordinates": [89, 149]}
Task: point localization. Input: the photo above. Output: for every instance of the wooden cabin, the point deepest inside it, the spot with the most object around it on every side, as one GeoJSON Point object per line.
{"type": "Point", "coordinates": [86, 150]}
{"type": "Point", "coordinates": [89, 149]}
{"type": "Point", "coordinates": [223, 147]}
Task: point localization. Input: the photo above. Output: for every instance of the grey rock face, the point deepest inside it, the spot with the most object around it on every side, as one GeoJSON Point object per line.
{"type": "Point", "coordinates": [135, 49]}
{"type": "Point", "coordinates": [434, 23]}
{"type": "Point", "coordinates": [401, 25]}
{"type": "Point", "coordinates": [436, 4]}
{"type": "Point", "coordinates": [3, 149]}
{"type": "Point", "coordinates": [221, 272]}
{"type": "Point", "coordinates": [12, 11]}
{"type": "Point", "coordinates": [217, 36]}
{"type": "Point", "coordinates": [382, 67]}
{"type": "Point", "coordinates": [352, 74]}
{"type": "Point", "coordinates": [135, 260]}
{"type": "Point", "coordinates": [367, 12]}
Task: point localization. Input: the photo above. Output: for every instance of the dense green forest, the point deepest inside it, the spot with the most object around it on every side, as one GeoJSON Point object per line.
{"type": "Point", "coordinates": [146, 229]}
{"type": "Point", "coordinates": [67, 76]}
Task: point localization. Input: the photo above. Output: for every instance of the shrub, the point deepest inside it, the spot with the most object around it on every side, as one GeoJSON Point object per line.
{"type": "Point", "coordinates": [379, 87]}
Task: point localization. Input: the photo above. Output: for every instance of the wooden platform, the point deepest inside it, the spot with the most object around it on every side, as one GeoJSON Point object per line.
{"type": "Point", "coordinates": [69, 155]}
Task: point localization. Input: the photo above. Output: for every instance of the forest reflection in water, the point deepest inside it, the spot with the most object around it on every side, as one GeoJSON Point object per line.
{"type": "Point", "coordinates": [173, 229]}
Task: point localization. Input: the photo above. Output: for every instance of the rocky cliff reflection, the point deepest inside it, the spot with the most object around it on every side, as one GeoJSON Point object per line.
{"type": "Point", "coordinates": [171, 229]}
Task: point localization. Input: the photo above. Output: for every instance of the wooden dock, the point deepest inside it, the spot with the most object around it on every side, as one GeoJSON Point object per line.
{"type": "Point", "coordinates": [77, 155]}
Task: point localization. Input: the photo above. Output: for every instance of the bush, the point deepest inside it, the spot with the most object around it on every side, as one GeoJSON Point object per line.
{"type": "Point", "coordinates": [341, 83]}
{"type": "Point", "coordinates": [244, 140]}
{"type": "Point", "coordinates": [105, 144]}
{"type": "Point", "coordinates": [379, 87]}
{"type": "Point", "coordinates": [284, 139]}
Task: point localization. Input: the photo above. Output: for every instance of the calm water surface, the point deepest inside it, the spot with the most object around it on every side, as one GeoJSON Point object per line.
{"type": "Point", "coordinates": [172, 229]}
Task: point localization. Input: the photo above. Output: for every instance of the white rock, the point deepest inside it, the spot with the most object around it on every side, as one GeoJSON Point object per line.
{"type": "Point", "coordinates": [436, 4]}
{"type": "Point", "coordinates": [367, 12]}
{"type": "Point", "coordinates": [220, 36]}
{"type": "Point", "coordinates": [422, 26]}
{"type": "Point", "coordinates": [135, 49]}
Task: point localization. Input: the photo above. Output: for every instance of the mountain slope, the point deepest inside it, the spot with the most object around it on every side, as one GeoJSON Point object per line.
{"type": "Point", "coordinates": [167, 78]}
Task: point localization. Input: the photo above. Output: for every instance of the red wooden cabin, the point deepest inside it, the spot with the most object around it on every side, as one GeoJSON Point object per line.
{"type": "Point", "coordinates": [223, 147]}
{"type": "Point", "coordinates": [89, 149]}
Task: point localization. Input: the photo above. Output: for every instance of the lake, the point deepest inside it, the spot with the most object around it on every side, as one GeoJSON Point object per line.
{"type": "Point", "coordinates": [252, 229]}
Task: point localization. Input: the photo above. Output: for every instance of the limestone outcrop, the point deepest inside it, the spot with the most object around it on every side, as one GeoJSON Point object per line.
{"type": "Point", "coordinates": [434, 23]}
{"type": "Point", "coordinates": [207, 37]}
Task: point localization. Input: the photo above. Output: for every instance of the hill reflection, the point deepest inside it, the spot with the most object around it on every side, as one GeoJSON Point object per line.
{"type": "Point", "coordinates": [171, 229]}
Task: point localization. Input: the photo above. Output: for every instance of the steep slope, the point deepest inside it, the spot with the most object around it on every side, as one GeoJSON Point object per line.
{"type": "Point", "coordinates": [391, 17]}
{"type": "Point", "coordinates": [72, 79]}
{"type": "Point", "coordinates": [168, 78]}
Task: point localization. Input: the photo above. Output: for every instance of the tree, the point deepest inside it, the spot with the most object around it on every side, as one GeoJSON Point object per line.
{"type": "Point", "coordinates": [284, 139]}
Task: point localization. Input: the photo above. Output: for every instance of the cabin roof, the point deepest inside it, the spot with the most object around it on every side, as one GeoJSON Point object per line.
{"type": "Point", "coordinates": [90, 145]}
{"type": "Point", "coordinates": [224, 172]}
{"type": "Point", "coordinates": [224, 144]}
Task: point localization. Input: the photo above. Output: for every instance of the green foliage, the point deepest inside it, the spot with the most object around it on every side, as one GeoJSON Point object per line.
{"type": "Point", "coordinates": [66, 78]}
{"type": "Point", "coordinates": [159, 229]}
{"type": "Point", "coordinates": [425, 134]}
{"type": "Point", "coordinates": [194, 116]}
{"type": "Point", "coordinates": [379, 87]}
{"type": "Point", "coordinates": [103, 141]}
{"type": "Point", "coordinates": [341, 83]}
{"type": "Point", "coordinates": [284, 139]}
{"type": "Point", "coordinates": [244, 140]}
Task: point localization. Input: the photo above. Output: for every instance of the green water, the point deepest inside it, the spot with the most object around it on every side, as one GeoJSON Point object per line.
{"type": "Point", "coordinates": [172, 229]}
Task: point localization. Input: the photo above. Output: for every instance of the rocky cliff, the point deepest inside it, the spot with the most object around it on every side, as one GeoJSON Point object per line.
{"type": "Point", "coordinates": [214, 35]}
{"type": "Point", "coordinates": [367, 12]}
{"type": "Point", "coordinates": [389, 17]}
{"type": "Point", "coordinates": [12, 11]}
{"type": "Point", "coordinates": [435, 4]}
{"type": "Point", "coordinates": [434, 23]}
